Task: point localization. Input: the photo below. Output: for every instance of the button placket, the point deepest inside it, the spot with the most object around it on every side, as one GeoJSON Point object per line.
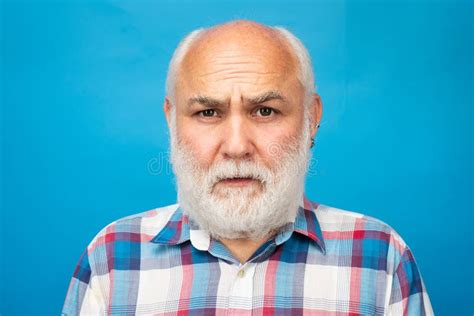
{"type": "Point", "coordinates": [241, 294]}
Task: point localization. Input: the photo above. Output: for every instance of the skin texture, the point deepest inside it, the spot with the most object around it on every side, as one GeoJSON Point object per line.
{"type": "Point", "coordinates": [237, 96]}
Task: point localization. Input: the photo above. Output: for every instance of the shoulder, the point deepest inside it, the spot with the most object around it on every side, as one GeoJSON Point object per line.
{"type": "Point", "coordinates": [336, 219]}
{"type": "Point", "coordinates": [369, 235]}
{"type": "Point", "coordinates": [140, 227]}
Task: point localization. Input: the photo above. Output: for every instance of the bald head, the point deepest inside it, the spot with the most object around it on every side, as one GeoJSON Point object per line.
{"type": "Point", "coordinates": [247, 32]}
{"type": "Point", "coordinates": [249, 41]}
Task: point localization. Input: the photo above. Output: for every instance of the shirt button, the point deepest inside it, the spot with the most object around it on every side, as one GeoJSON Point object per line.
{"type": "Point", "coordinates": [241, 273]}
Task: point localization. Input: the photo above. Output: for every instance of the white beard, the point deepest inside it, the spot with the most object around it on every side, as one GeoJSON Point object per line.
{"type": "Point", "coordinates": [252, 211]}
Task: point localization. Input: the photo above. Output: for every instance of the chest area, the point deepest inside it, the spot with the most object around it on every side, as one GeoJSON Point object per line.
{"type": "Point", "coordinates": [270, 287]}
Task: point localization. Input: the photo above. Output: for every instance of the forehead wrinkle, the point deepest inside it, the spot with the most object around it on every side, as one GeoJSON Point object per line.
{"type": "Point", "coordinates": [243, 79]}
{"type": "Point", "coordinates": [254, 63]}
{"type": "Point", "coordinates": [253, 71]}
{"type": "Point", "coordinates": [232, 71]}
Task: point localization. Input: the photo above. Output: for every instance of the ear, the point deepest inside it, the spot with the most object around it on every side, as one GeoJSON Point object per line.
{"type": "Point", "coordinates": [316, 113]}
{"type": "Point", "coordinates": [167, 109]}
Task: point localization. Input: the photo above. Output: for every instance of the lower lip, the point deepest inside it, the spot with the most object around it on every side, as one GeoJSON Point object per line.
{"type": "Point", "coordinates": [237, 182]}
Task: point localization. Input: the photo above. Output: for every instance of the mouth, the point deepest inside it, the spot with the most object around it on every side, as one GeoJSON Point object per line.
{"type": "Point", "coordinates": [237, 181]}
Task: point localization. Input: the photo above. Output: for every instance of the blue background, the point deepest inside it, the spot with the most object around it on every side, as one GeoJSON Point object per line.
{"type": "Point", "coordinates": [84, 139]}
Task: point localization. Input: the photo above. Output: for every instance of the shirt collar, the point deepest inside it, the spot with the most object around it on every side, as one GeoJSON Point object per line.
{"type": "Point", "coordinates": [179, 229]}
{"type": "Point", "coordinates": [307, 224]}
{"type": "Point", "coordinates": [176, 230]}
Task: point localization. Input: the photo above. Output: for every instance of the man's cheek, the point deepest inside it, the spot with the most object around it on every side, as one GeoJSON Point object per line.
{"type": "Point", "coordinates": [274, 150]}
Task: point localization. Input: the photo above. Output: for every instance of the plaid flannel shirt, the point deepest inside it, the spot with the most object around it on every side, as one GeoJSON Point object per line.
{"type": "Point", "coordinates": [328, 262]}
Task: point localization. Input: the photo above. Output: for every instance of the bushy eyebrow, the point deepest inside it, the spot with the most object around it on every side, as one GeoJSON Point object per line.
{"type": "Point", "coordinates": [205, 101]}
{"type": "Point", "coordinates": [214, 103]}
{"type": "Point", "coordinates": [267, 96]}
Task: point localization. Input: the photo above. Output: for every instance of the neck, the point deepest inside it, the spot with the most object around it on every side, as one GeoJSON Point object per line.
{"type": "Point", "coordinates": [243, 249]}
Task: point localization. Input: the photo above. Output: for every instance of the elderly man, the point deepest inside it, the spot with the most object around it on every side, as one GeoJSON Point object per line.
{"type": "Point", "coordinates": [243, 238]}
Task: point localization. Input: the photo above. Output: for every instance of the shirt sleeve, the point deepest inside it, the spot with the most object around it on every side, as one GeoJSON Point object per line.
{"type": "Point", "coordinates": [83, 295]}
{"type": "Point", "coordinates": [408, 293]}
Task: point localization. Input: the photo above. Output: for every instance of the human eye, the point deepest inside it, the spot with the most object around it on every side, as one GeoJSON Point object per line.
{"type": "Point", "coordinates": [207, 113]}
{"type": "Point", "coordinates": [265, 112]}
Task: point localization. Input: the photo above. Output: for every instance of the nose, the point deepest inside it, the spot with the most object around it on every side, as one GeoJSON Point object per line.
{"type": "Point", "coordinates": [237, 141]}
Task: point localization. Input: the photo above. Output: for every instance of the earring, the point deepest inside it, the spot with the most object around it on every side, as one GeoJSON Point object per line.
{"type": "Point", "coordinates": [312, 138]}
